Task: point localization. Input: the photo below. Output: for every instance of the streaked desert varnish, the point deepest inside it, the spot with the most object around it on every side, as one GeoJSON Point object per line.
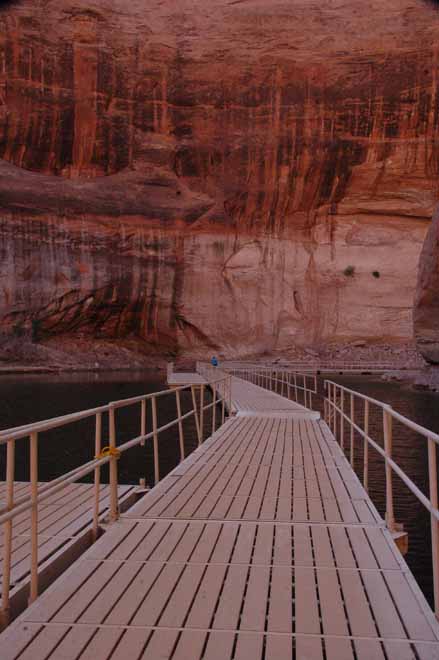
{"type": "Point", "coordinates": [167, 179]}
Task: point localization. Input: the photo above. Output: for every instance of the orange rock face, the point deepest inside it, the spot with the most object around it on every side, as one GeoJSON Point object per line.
{"type": "Point", "coordinates": [426, 313]}
{"type": "Point", "coordinates": [242, 176]}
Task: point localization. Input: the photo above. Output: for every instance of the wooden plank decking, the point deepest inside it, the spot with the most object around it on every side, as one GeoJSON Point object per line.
{"type": "Point", "coordinates": [181, 378]}
{"type": "Point", "coordinates": [262, 545]}
{"type": "Point", "coordinates": [64, 532]}
{"type": "Point", "coordinates": [248, 399]}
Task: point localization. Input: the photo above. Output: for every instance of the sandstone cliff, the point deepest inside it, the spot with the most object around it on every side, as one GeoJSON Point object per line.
{"type": "Point", "coordinates": [238, 176]}
{"type": "Point", "coordinates": [426, 313]}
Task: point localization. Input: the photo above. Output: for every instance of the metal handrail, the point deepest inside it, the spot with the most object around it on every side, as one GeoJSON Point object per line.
{"type": "Point", "coordinates": [221, 388]}
{"type": "Point", "coordinates": [311, 363]}
{"type": "Point", "coordinates": [18, 432]}
{"type": "Point", "coordinates": [281, 380]}
{"type": "Point", "coordinates": [336, 414]}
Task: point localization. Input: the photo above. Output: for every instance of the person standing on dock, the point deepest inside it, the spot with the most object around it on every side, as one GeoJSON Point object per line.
{"type": "Point", "coordinates": [214, 361]}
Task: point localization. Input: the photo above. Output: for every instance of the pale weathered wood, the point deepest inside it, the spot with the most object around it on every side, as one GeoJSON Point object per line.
{"type": "Point", "coordinates": [203, 607]}
{"type": "Point", "coordinates": [190, 645]}
{"type": "Point", "coordinates": [248, 646]}
{"type": "Point", "coordinates": [193, 582]}
{"type": "Point", "coordinates": [151, 608]}
{"type": "Point", "coordinates": [339, 649]}
{"type": "Point", "coordinates": [279, 647]}
{"type": "Point", "coordinates": [255, 604]}
{"type": "Point", "coordinates": [262, 544]}
{"type": "Point", "coordinates": [16, 638]}
{"type": "Point", "coordinates": [307, 615]}
{"type": "Point", "coordinates": [357, 606]}
{"type": "Point", "coordinates": [230, 602]}
{"type": "Point", "coordinates": [102, 643]}
{"type": "Point", "coordinates": [219, 646]}
{"type": "Point", "coordinates": [122, 579]}
{"type": "Point", "coordinates": [280, 612]}
{"type": "Point", "coordinates": [78, 601]}
{"type": "Point", "coordinates": [45, 643]}
{"type": "Point", "coordinates": [125, 608]}
{"type": "Point", "coordinates": [73, 643]}
{"type": "Point", "coordinates": [131, 644]}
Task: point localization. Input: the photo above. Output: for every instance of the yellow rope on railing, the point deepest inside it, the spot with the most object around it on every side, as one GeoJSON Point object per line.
{"type": "Point", "coordinates": [108, 451]}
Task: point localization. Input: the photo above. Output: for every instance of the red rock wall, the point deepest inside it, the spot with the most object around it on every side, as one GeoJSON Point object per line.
{"type": "Point", "coordinates": [202, 173]}
{"type": "Point", "coordinates": [426, 313]}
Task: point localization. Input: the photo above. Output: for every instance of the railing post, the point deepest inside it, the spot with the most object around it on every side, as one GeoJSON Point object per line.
{"type": "Point", "coordinates": [295, 387]}
{"type": "Point", "coordinates": [155, 441]}
{"type": "Point", "coordinates": [7, 547]}
{"type": "Point", "coordinates": [197, 421]}
{"type": "Point", "coordinates": [34, 517]}
{"type": "Point", "coordinates": [223, 401]}
{"type": "Point", "coordinates": [201, 413]}
{"type": "Point", "coordinates": [97, 475]}
{"type": "Point", "coordinates": [432, 473]}
{"type": "Point", "coordinates": [180, 424]}
{"type": "Point", "coordinates": [366, 447]}
{"type": "Point", "coordinates": [388, 436]}
{"type": "Point", "coordinates": [230, 395]}
{"type": "Point", "coordinates": [352, 429]}
{"type": "Point", "coordinates": [114, 499]}
{"type": "Point", "coordinates": [342, 419]}
{"type": "Point", "coordinates": [304, 391]}
{"type": "Point", "coordinates": [214, 409]}
{"type": "Point", "coordinates": [143, 420]}
{"type": "Point", "coordinates": [331, 407]}
{"type": "Point", "coordinates": [329, 404]}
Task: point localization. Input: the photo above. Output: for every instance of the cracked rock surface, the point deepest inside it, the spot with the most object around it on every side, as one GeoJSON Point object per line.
{"type": "Point", "coordinates": [212, 175]}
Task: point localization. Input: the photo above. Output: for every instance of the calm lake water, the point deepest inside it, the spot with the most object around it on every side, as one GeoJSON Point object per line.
{"type": "Point", "coordinates": [410, 452]}
{"type": "Point", "coordinates": [26, 399]}
{"type": "Point", "coordinates": [30, 398]}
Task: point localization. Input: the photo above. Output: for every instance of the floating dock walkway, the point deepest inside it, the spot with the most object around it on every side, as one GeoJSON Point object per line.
{"type": "Point", "coordinates": [65, 533]}
{"type": "Point", "coordinates": [261, 545]}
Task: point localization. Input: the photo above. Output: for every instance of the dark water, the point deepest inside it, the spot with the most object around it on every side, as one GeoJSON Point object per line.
{"type": "Point", "coordinates": [410, 451]}
{"type": "Point", "coordinates": [26, 399]}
